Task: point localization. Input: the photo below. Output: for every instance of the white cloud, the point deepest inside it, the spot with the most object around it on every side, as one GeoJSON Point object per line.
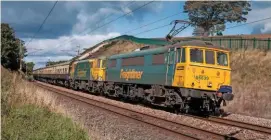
{"type": "Point", "coordinates": [266, 28]}
{"type": "Point", "coordinates": [258, 14]}
{"type": "Point", "coordinates": [42, 59]}
{"type": "Point", "coordinates": [87, 22]}
{"type": "Point", "coordinates": [53, 48]}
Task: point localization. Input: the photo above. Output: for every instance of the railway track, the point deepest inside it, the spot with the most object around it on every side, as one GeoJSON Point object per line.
{"type": "Point", "coordinates": [243, 125]}
{"type": "Point", "coordinates": [239, 124]}
{"type": "Point", "coordinates": [182, 131]}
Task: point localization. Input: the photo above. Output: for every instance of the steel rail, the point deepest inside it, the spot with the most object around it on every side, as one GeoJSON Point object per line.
{"type": "Point", "coordinates": [239, 124]}
{"type": "Point", "coordinates": [161, 123]}
{"type": "Point", "coordinates": [243, 125]}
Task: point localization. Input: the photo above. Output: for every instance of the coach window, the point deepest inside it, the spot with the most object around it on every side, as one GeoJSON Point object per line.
{"type": "Point", "coordinates": [158, 59]}
{"type": "Point", "coordinates": [133, 61]}
{"type": "Point", "coordinates": [196, 55]}
{"type": "Point", "coordinates": [209, 57]}
{"type": "Point", "coordinates": [222, 59]}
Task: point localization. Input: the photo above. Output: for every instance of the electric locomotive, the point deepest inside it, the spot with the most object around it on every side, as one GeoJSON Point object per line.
{"type": "Point", "coordinates": [189, 76]}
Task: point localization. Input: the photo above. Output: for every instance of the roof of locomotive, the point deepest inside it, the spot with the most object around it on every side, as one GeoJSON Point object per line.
{"type": "Point", "coordinates": [140, 53]}
{"type": "Point", "coordinates": [86, 60]}
{"type": "Point", "coordinates": [199, 43]}
{"type": "Point", "coordinates": [165, 49]}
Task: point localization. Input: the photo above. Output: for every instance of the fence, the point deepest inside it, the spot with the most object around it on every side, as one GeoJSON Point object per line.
{"type": "Point", "coordinates": [239, 43]}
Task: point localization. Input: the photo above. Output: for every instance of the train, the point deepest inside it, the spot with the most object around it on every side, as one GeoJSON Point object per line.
{"type": "Point", "coordinates": [186, 76]}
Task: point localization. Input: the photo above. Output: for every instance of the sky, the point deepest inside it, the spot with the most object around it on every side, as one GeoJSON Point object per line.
{"type": "Point", "coordinates": [72, 24]}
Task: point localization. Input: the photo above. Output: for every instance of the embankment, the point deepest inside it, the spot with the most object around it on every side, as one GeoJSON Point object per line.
{"type": "Point", "coordinates": [30, 113]}
{"type": "Point", "coordinates": [251, 81]}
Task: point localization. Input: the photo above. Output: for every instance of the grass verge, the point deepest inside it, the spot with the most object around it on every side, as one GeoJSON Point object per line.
{"type": "Point", "coordinates": [30, 113]}
{"type": "Point", "coordinates": [32, 122]}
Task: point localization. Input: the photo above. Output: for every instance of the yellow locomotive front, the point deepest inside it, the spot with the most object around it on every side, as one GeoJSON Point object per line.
{"type": "Point", "coordinates": [204, 68]}
{"type": "Point", "coordinates": [203, 71]}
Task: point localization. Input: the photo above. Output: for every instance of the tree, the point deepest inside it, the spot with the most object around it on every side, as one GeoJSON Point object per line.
{"type": "Point", "coordinates": [10, 48]}
{"type": "Point", "coordinates": [207, 14]}
{"type": "Point", "coordinates": [29, 66]}
{"type": "Point", "coordinates": [198, 31]}
{"type": "Point", "coordinates": [217, 29]}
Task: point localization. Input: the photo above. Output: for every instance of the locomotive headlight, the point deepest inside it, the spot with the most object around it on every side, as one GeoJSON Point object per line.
{"type": "Point", "coordinates": [219, 94]}
{"type": "Point", "coordinates": [209, 84]}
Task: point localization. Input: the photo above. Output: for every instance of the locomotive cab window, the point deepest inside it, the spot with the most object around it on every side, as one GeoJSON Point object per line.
{"type": "Point", "coordinates": [222, 59]}
{"type": "Point", "coordinates": [209, 57]}
{"type": "Point", "coordinates": [98, 63]}
{"type": "Point", "coordinates": [180, 55]}
{"type": "Point", "coordinates": [196, 55]}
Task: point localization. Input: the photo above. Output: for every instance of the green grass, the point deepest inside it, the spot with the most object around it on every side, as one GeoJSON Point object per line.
{"type": "Point", "coordinates": [30, 122]}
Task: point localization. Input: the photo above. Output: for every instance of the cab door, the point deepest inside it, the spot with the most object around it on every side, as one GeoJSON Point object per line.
{"type": "Point", "coordinates": [170, 65]}
{"type": "Point", "coordinates": [179, 76]}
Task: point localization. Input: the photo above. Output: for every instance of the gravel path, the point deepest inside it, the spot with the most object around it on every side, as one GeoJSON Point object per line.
{"type": "Point", "coordinates": [105, 125]}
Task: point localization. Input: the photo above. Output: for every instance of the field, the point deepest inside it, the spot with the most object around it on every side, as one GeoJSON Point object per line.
{"type": "Point", "coordinates": [251, 81]}
{"type": "Point", "coordinates": [30, 113]}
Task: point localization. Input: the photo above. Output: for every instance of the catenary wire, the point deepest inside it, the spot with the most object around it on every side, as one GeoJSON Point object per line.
{"type": "Point", "coordinates": [116, 18]}
{"type": "Point", "coordinates": [86, 31]}
{"type": "Point", "coordinates": [152, 22]}
{"type": "Point", "coordinates": [42, 23]}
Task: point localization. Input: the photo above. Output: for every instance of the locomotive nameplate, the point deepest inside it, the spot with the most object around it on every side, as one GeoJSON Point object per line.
{"type": "Point", "coordinates": [130, 74]}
